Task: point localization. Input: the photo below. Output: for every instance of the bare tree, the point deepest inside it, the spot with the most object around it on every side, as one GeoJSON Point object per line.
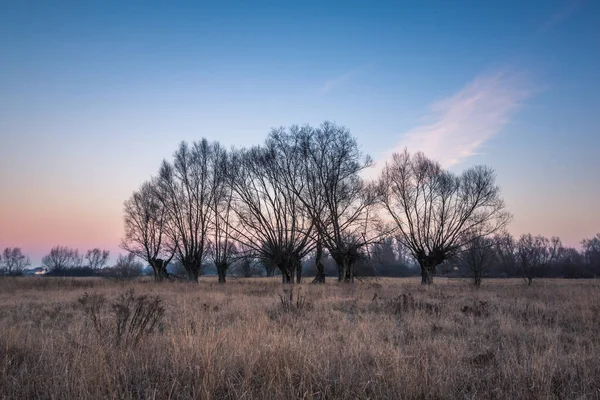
{"type": "Point", "coordinates": [339, 203]}
{"type": "Point", "coordinates": [534, 253]}
{"type": "Point", "coordinates": [436, 212]}
{"type": "Point", "coordinates": [383, 253]}
{"type": "Point", "coordinates": [14, 260]}
{"type": "Point", "coordinates": [127, 266]}
{"type": "Point", "coordinates": [292, 166]}
{"type": "Point", "coordinates": [187, 191]}
{"type": "Point", "coordinates": [146, 222]}
{"type": "Point", "coordinates": [320, 275]}
{"type": "Point", "coordinates": [478, 255]}
{"type": "Point", "coordinates": [62, 257]}
{"type": "Point", "coordinates": [269, 221]}
{"type": "Point", "coordinates": [97, 258]}
{"type": "Point", "coordinates": [222, 244]}
{"type": "Point", "coordinates": [591, 253]}
{"type": "Point", "coordinates": [247, 268]}
{"type": "Point", "coordinates": [571, 264]}
{"type": "Point", "coordinates": [505, 258]}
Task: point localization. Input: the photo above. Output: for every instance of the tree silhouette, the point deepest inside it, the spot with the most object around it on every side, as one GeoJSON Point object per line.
{"type": "Point", "coordinates": [437, 212]}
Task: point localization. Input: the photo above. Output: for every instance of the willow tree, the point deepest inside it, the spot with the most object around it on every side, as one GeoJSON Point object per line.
{"type": "Point", "coordinates": [437, 212]}
{"type": "Point", "coordinates": [338, 201]}
{"type": "Point", "coordinates": [269, 221]}
{"type": "Point", "coordinates": [222, 238]}
{"type": "Point", "coordinates": [187, 190]}
{"type": "Point", "coordinates": [146, 223]}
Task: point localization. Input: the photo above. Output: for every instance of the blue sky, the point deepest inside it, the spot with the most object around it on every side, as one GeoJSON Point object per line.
{"type": "Point", "coordinates": [93, 95]}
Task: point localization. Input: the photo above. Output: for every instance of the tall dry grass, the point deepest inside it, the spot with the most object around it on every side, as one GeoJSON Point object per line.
{"type": "Point", "coordinates": [246, 340]}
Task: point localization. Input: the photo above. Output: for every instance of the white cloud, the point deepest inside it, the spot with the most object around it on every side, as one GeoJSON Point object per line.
{"type": "Point", "coordinates": [457, 127]}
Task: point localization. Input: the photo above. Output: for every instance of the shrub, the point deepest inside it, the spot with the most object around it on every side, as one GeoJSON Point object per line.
{"type": "Point", "coordinates": [133, 317]}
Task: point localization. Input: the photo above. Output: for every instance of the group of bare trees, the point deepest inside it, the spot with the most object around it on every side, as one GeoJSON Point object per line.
{"type": "Point", "coordinates": [184, 212]}
{"type": "Point", "coordinates": [67, 261]}
{"type": "Point", "coordinates": [13, 261]}
{"type": "Point", "coordinates": [302, 193]}
{"type": "Point", "coordinates": [529, 257]}
{"type": "Point", "coordinates": [63, 257]}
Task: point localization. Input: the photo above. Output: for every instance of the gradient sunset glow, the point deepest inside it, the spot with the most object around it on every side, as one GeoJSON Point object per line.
{"type": "Point", "coordinates": [93, 95]}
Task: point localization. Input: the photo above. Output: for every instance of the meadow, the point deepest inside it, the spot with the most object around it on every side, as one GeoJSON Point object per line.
{"type": "Point", "coordinates": [255, 338]}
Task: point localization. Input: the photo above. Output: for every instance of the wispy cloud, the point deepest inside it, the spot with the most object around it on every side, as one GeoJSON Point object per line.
{"type": "Point", "coordinates": [457, 127]}
{"type": "Point", "coordinates": [339, 80]}
{"type": "Point", "coordinates": [570, 7]}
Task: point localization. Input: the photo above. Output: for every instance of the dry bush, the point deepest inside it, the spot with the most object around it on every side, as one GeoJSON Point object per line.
{"type": "Point", "coordinates": [290, 304]}
{"type": "Point", "coordinates": [406, 303]}
{"type": "Point", "coordinates": [133, 318]}
{"type": "Point", "coordinates": [92, 306]}
{"type": "Point", "coordinates": [221, 342]}
{"type": "Point", "coordinates": [477, 309]}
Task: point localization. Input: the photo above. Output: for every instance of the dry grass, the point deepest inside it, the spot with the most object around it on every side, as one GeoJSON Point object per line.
{"type": "Point", "coordinates": [249, 340]}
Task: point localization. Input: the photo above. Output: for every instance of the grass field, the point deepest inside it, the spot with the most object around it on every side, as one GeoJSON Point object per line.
{"type": "Point", "coordinates": [390, 338]}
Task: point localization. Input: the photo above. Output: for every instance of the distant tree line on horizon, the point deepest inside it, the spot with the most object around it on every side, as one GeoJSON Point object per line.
{"type": "Point", "coordinates": [501, 256]}
{"type": "Point", "coordinates": [299, 204]}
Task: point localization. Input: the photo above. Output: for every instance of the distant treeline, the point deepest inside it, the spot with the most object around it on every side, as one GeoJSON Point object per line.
{"type": "Point", "coordinates": [506, 257]}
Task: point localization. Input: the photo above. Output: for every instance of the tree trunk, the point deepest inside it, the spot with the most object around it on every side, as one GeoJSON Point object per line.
{"type": "Point", "coordinates": [298, 271]}
{"type": "Point", "coordinates": [287, 273]}
{"type": "Point", "coordinates": [477, 277]}
{"type": "Point", "coordinates": [529, 280]}
{"type": "Point", "coordinates": [350, 273]}
{"type": "Point", "coordinates": [320, 277]}
{"type": "Point", "coordinates": [221, 271]}
{"type": "Point", "coordinates": [427, 273]}
{"type": "Point", "coordinates": [162, 273]}
{"type": "Point", "coordinates": [292, 272]}
{"type": "Point", "coordinates": [345, 272]}
{"type": "Point", "coordinates": [160, 270]}
{"type": "Point", "coordinates": [286, 277]}
{"type": "Point", "coordinates": [193, 274]}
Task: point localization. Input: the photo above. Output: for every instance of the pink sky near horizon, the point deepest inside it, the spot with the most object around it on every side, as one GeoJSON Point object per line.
{"type": "Point", "coordinates": [85, 223]}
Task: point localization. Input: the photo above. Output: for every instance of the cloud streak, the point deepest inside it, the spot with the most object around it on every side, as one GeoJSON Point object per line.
{"type": "Point", "coordinates": [570, 8]}
{"type": "Point", "coordinates": [331, 84]}
{"type": "Point", "coordinates": [457, 127]}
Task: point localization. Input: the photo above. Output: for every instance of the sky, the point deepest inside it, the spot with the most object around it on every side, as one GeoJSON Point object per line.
{"type": "Point", "coordinates": [94, 94]}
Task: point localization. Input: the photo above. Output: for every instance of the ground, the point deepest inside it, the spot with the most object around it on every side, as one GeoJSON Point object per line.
{"type": "Point", "coordinates": [385, 338]}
